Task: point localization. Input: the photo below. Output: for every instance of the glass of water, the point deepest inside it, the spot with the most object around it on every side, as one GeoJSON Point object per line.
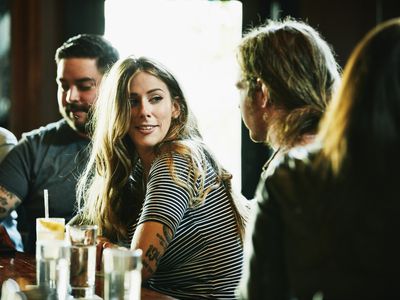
{"type": "Point", "coordinates": [52, 267]}
{"type": "Point", "coordinates": [122, 274]}
{"type": "Point", "coordinates": [83, 259]}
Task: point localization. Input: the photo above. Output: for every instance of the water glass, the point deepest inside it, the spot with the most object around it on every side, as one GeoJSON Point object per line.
{"type": "Point", "coordinates": [122, 274]}
{"type": "Point", "coordinates": [83, 259]}
{"type": "Point", "coordinates": [50, 228]}
{"type": "Point", "coordinates": [52, 267]}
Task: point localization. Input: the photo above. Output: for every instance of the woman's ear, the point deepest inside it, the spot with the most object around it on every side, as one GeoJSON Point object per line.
{"type": "Point", "coordinates": [176, 108]}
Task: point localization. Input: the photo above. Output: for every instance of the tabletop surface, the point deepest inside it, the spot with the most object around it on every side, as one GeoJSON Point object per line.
{"type": "Point", "coordinates": [22, 268]}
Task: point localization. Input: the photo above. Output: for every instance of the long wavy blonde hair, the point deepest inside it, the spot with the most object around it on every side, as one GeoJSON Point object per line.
{"type": "Point", "coordinates": [102, 186]}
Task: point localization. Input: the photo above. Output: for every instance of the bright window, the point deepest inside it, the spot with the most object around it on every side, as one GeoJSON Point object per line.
{"type": "Point", "coordinates": [196, 40]}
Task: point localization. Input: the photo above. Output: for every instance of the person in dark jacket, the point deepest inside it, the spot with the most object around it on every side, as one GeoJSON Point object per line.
{"type": "Point", "coordinates": [288, 76]}
{"type": "Point", "coordinates": [328, 220]}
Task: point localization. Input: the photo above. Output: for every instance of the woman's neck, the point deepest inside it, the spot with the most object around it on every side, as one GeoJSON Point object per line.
{"type": "Point", "coordinates": [146, 160]}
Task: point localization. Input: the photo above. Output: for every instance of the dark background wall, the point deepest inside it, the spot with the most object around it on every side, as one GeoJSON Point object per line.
{"type": "Point", "coordinates": [38, 27]}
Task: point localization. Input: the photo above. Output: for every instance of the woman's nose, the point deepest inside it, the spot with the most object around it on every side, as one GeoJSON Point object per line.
{"type": "Point", "coordinates": [144, 109]}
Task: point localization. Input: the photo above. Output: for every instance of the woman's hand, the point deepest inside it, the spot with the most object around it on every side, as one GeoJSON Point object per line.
{"type": "Point", "coordinates": [102, 243]}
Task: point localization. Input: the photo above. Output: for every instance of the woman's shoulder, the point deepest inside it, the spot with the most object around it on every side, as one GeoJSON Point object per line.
{"type": "Point", "coordinates": [170, 158]}
{"type": "Point", "coordinates": [171, 163]}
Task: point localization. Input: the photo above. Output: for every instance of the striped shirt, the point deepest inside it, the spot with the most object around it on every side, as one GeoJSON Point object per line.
{"type": "Point", "coordinates": [204, 258]}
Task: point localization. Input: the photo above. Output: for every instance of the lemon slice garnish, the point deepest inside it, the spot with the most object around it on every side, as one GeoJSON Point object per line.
{"type": "Point", "coordinates": [51, 226]}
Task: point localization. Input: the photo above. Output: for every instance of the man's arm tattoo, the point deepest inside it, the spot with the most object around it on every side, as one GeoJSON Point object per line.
{"type": "Point", "coordinates": [8, 202]}
{"type": "Point", "coordinates": [3, 201]}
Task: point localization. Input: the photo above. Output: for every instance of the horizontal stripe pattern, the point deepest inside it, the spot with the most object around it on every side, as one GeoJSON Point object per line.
{"type": "Point", "coordinates": [204, 259]}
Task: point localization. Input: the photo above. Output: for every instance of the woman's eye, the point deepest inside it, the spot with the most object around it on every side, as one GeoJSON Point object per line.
{"type": "Point", "coordinates": [156, 99]}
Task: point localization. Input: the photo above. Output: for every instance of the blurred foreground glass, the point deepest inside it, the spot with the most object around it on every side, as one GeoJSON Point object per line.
{"type": "Point", "coordinates": [83, 260]}
{"type": "Point", "coordinates": [52, 267]}
{"type": "Point", "coordinates": [122, 274]}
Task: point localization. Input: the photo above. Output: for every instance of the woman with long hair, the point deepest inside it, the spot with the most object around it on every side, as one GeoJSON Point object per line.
{"type": "Point", "coordinates": [151, 183]}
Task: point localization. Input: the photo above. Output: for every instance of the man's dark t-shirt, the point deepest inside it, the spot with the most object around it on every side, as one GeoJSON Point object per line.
{"type": "Point", "coordinates": [51, 158]}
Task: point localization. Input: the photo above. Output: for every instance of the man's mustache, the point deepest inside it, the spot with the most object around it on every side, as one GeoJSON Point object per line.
{"type": "Point", "coordinates": [74, 107]}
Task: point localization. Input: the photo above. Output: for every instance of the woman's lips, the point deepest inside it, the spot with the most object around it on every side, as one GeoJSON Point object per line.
{"type": "Point", "coordinates": [146, 129]}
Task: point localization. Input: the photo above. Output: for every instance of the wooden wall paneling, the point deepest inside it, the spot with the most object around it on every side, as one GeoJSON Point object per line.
{"type": "Point", "coordinates": [33, 43]}
{"type": "Point", "coordinates": [25, 78]}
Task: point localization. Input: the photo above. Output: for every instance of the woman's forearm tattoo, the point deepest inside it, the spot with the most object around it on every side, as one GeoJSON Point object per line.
{"type": "Point", "coordinates": [165, 239]}
{"type": "Point", "coordinates": [154, 253]}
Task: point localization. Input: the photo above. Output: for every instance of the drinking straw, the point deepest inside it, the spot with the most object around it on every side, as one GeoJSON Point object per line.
{"type": "Point", "coordinates": [46, 203]}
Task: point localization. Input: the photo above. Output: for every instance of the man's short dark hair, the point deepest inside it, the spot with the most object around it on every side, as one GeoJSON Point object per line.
{"type": "Point", "coordinates": [89, 46]}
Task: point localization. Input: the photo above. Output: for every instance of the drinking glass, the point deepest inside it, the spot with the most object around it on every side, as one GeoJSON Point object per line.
{"type": "Point", "coordinates": [52, 267]}
{"type": "Point", "coordinates": [83, 259]}
{"type": "Point", "coordinates": [122, 274]}
{"type": "Point", "coordinates": [50, 228]}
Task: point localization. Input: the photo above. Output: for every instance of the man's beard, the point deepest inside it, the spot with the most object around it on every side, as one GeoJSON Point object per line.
{"type": "Point", "coordinates": [71, 108]}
